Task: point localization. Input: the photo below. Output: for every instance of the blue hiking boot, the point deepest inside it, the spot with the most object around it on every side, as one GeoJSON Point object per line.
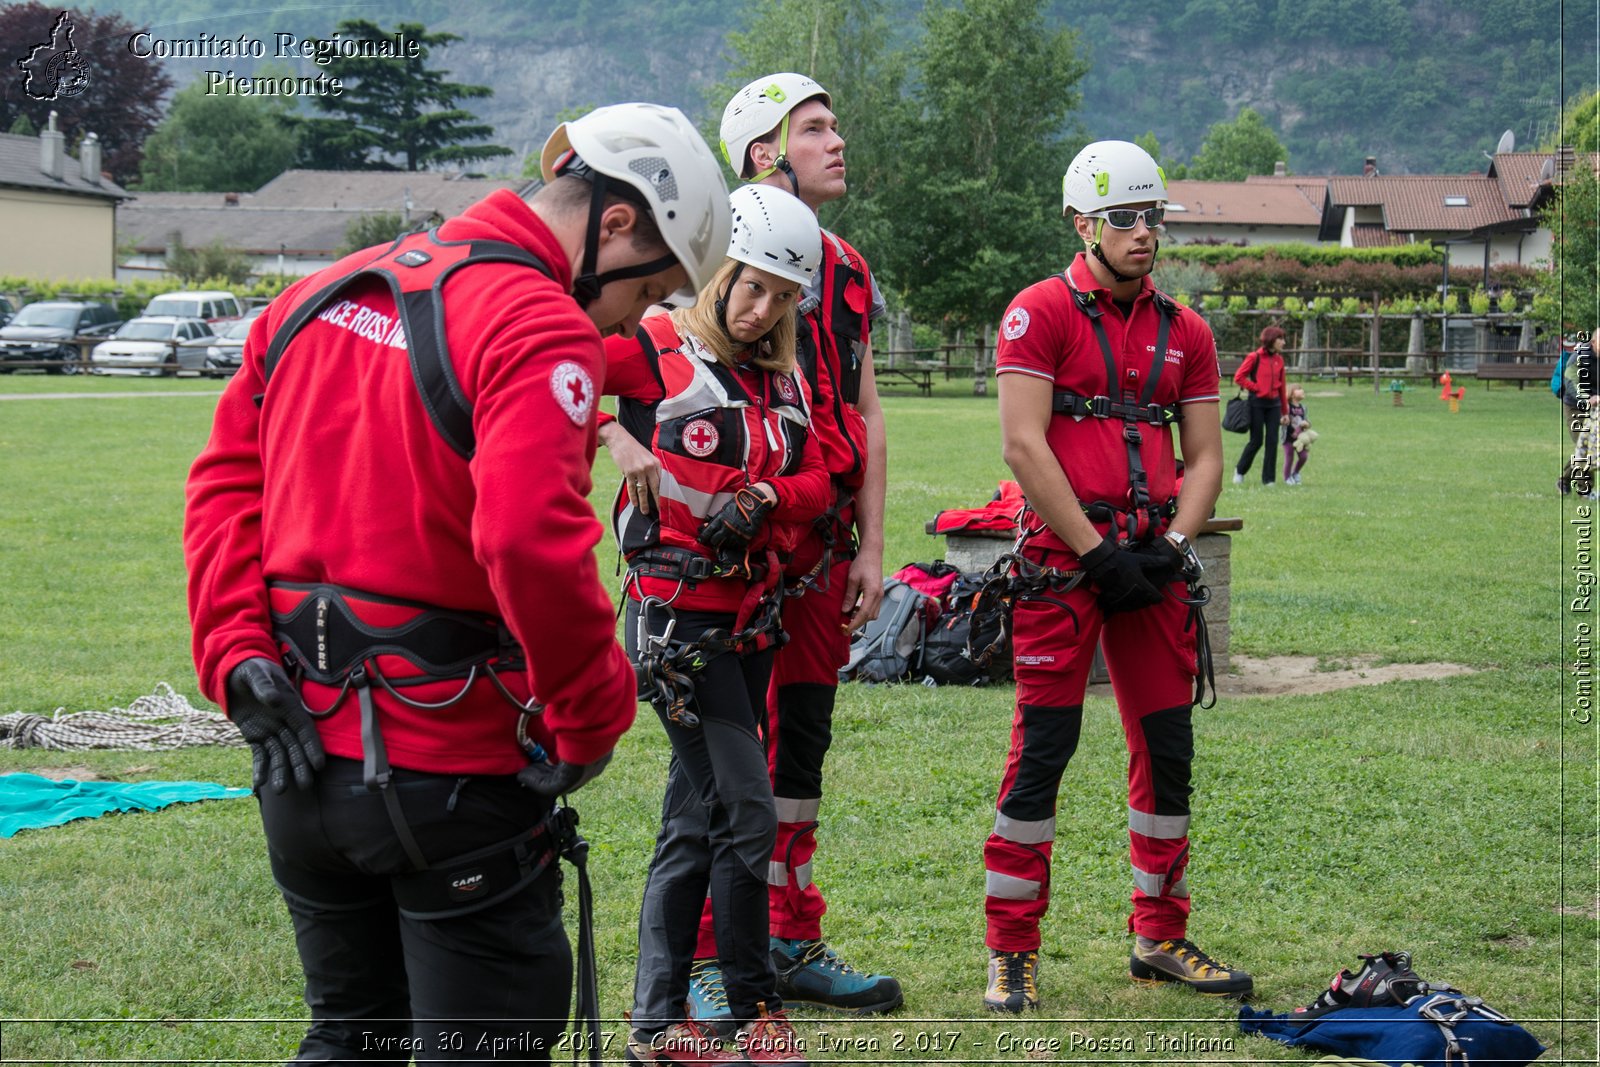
{"type": "Point", "coordinates": [809, 972]}
{"type": "Point", "coordinates": [708, 1000]}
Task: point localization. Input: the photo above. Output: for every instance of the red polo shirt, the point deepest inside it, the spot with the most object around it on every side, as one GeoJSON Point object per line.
{"type": "Point", "coordinates": [1046, 335]}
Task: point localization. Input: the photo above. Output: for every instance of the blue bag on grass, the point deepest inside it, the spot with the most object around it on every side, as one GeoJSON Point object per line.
{"type": "Point", "coordinates": [1438, 1029]}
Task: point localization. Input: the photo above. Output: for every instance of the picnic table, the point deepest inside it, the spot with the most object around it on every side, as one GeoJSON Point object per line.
{"type": "Point", "coordinates": [919, 374]}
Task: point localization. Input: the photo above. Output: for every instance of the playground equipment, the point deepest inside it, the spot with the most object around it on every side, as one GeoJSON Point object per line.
{"type": "Point", "coordinates": [1454, 398]}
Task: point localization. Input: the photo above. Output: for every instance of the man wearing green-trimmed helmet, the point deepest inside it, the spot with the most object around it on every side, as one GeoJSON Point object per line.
{"type": "Point", "coordinates": [1095, 366]}
{"type": "Point", "coordinates": [1120, 176]}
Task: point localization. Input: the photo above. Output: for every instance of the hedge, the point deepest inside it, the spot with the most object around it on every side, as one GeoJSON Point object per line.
{"type": "Point", "coordinates": [1416, 255]}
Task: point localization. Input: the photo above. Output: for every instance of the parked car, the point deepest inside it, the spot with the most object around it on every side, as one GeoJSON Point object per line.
{"type": "Point", "coordinates": [152, 345]}
{"type": "Point", "coordinates": [42, 334]}
{"type": "Point", "coordinates": [7, 309]}
{"type": "Point", "coordinates": [223, 354]}
{"type": "Point", "coordinates": [213, 305]}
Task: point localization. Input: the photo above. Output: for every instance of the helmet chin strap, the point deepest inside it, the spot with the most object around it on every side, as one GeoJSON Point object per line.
{"type": "Point", "coordinates": [1099, 253]}
{"type": "Point", "coordinates": [722, 302]}
{"type": "Point", "coordinates": [586, 289]}
{"type": "Point", "coordinates": [782, 162]}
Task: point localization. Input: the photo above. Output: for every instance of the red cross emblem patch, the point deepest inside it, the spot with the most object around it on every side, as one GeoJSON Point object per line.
{"type": "Point", "coordinates": [1016, 324]}
{"type": "Point", "coordinates": [786, 390]}
{"type": "Point", "coordinates": [574, 391]}
{"type": "Point", "coordinates": [700, 438]}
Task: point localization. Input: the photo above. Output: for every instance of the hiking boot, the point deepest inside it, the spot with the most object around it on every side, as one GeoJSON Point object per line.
{"type": "Point", "coordinates": [689, 1042]}
{"type": "Point", "coordinates": [1013, 982]}
{"type": "Point", "coordinates": [770, 1038]}
{"type": "Point", "coordinates": [708, 999]}
{"type": "Point", "coordinates": [1180, 961]}
{"type": "Point", "coordinates": [809, 972]}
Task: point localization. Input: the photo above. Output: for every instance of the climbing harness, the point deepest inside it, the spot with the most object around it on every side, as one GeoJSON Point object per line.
{"type": "Point", "coordinates": [327, 641]}
{"type": "Point", "coordinates": [838, 543]}
{"type": "Point", "coordinates": [666, 665]}
{"type": "Point", "coordinates": [1141, 517]}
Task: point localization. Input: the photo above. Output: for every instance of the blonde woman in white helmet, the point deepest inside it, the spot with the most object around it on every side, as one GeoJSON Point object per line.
{"type": "Point", "coordinates": [713, 395]}
{"type": "Point", "coordinates": [780, 131]}
{"type": "Point", "coordinates": [1094, 365]}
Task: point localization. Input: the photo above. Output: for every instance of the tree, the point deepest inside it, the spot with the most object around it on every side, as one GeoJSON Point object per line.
{"type": "Point", "coordinates": [378, 228]}
{"type": "Point", "coordinates": [217, 144]}
{"type": "Point", "coordinates": [976, 202]}
{"type": "Point", "coordinates": [1234, 150]}
{"type": "Point", "coordinates": [1571, 289]}
{"type": "Point", "coordinates": [395, 106]}
{"type": "Point", "coordinates": [119, 96]}
{"type": "Point", "coordinates": [213, 261]}
{"type": "Point", "coordinates": [1580, 125]}
{"type": "Point", "coordinates": [841, 44]}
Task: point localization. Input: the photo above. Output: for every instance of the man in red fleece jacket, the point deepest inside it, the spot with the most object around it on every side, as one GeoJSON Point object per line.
{"type": "Point", "coordinates": [393, 505]}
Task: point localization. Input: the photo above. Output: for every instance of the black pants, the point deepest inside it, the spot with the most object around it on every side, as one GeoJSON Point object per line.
{"type": "Point", "coordinates": [718, 825]}
{"type": "Point", "coordinates": [1264, 415]}
{"type": "Point", "coordinates": [382, 987]}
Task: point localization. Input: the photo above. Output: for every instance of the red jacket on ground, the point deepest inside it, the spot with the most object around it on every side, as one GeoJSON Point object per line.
{"type": "Point", "coordinates": [339, 476]}
{"type": "Point", "coordinates": [1262, 374]}
{"type": "Point", "coordinates": [715, 430]}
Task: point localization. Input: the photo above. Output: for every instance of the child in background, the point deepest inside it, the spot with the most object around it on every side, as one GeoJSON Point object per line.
{"type": "Point", "coordinates": [1297, 437]}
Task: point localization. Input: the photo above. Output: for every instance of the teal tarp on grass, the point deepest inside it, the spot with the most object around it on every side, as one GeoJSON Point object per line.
{"type": "Point", "coordinates": [30, 802]}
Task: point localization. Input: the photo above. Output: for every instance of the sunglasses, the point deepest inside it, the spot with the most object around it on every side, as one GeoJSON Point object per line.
{"type": "Point", "coordinates": [1126, 218]}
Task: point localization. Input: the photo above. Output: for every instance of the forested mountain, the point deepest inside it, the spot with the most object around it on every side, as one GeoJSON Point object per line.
{"type": "Point", "coordinates": [1423, 85]}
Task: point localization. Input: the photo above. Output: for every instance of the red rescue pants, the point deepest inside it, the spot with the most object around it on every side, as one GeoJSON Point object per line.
{"type": "Point", "coordinates": [1151, 658]}
{"type": "Point", "coordinates": [805, 681]}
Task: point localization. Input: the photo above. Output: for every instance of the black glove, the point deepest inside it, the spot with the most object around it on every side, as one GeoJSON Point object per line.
{"type": "Point", "coordinates": [1120, 577]}
{"type": "Point", "coordinates": [736, 525]}
{"type": "Point", "coordinates": [1161, 560]}
{"type": "Point", "coordinates": [555, 779]}
{"type": "Point", "coordinates": [266, 708]}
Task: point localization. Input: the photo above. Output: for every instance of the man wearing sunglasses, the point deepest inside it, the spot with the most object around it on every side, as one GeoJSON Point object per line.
{"type": "Point", "coordinates": [1095, 365]}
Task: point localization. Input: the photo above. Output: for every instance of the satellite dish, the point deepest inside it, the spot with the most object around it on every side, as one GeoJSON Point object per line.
{"type": "Point", "coordinates": [1508, 143]}
{"type": "Point", "coordinates": [1547, 172]}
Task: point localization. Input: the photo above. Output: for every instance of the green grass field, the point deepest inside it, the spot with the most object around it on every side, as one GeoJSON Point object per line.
{"type": "Point", "coordinates": [1454, 817]}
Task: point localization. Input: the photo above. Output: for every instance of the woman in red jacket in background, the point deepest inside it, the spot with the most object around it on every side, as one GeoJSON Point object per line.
{"type": "Point", "coordinates": [1262, 374]}
{"type": "Point", "coordinates": [707, 517]}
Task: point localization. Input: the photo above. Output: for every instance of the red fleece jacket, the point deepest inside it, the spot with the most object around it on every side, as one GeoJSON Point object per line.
{"type": "Point", "coordinates": [340, 477]}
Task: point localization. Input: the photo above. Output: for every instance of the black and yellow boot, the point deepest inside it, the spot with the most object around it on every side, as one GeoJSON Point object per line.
{"type": "Point", "coordinates": [1013, 982]}
{"type": "Point", "coordinates": [1182, 961]}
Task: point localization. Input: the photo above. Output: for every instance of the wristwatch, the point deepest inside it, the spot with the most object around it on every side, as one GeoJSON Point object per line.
{"type": "Point", "coordinates": [1191, 561]}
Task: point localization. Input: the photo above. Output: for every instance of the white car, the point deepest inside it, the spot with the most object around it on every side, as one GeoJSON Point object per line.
{"type": "Point", "coordinates": [149, 345]}
{"type": "Point", "coordinates": [213, 305]}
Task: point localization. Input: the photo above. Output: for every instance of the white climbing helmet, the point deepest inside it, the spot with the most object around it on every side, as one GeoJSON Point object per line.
{"type": "Point", "coordinates": [775, 232]}
{"type": "Point", "coordinates": [1110, 173]}
{"type": "Point", "coordinates": [655, 152]}
{"type": "Point", "coordinates": [757, 110]}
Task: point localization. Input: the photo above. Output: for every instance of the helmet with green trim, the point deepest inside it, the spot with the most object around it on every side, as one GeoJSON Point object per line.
{"type": "Point", "coordinates": [1109, 174]}
{"type": "Point", "coordinates": [758, 109]}
{"type": "Point", "coordinates": [653, 156]}
{"type": "Point", "coordinates": [775, 232]}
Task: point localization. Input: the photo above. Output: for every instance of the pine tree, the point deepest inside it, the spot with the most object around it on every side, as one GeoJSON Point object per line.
{"type": "Point", "coordinates": [395, 106]}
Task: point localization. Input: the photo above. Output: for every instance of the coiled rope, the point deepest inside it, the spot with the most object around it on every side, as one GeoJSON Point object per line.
{"type": "Point", "coordinates": [157, 722]}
